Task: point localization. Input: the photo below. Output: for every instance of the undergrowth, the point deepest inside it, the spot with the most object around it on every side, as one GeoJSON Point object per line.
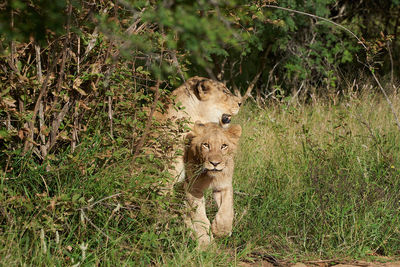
{"type": "Point", "coordinates": [313, 181]}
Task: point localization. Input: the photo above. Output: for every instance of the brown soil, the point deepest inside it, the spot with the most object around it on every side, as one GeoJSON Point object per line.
{"type": "Point", "coordinates": [321, 263]}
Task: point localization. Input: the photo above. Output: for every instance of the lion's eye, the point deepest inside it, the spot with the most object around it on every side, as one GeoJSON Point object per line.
{"type": "Point", "coordinates": [205, 145]}
{"type": "Point", "coordinates": [224, 146]}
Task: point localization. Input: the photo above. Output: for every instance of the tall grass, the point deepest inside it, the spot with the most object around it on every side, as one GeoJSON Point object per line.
{"type": "Point", "coordinates": [320, 180]}
{"type": "Point", "coordinates": [312, 181]}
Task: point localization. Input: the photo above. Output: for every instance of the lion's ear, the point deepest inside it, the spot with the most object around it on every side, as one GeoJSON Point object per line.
{"type": "Point", "coordinates": [203, 89]}
{"type": "Point", "coordinates": [198, 128]}
{"type": "Point", "coordinates": [235, 131]}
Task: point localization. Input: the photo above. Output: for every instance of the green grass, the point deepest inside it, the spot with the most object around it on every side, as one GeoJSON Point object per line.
{"type": "Point", "coordinates": [322, 181]}
{"type": "Point", "coordinates": [311, 182]}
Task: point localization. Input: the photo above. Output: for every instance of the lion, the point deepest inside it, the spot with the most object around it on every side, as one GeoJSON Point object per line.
{"type": "Point", "coordinates": [209, 164]}
{"type": "Point", "coordinates": [198, 99]}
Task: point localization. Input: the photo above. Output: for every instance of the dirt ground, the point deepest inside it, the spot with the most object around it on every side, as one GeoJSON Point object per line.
{"type": "Point", "coordinates": [320, 263]}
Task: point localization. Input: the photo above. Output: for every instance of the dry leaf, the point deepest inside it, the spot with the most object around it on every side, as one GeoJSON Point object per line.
{"type": "Point", "coordinates": [8, 101]}
{"type": "Point", "coordinates": [21, 134]}
{"type": "Point", "coordinates": [76, 86]}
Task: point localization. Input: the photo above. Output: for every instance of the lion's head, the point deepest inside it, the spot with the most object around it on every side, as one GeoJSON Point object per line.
{"type": "Point", "coordinates": [212, 147]}
{"type": "Point", "coordinates": [216, 103]}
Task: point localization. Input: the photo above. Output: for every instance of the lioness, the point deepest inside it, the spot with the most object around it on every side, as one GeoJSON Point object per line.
{"type": "Point", "coordinates": [199, 99]}
{"type": "Point", "coordinates": [209, 164]}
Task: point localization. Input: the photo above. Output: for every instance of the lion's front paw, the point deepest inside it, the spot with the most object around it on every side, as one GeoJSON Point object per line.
{"type": "Point", "coordinates": [204, 241]}
{"type": "Point", "coordinates": [221, 228]}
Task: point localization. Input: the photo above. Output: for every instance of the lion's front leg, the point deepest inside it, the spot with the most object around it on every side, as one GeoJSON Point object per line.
{"type": "Point", "coordinates": [178, 171]}
{"type": "Point", "coordinates": [222, 224]}
{"type": "Point", "coordinates": [197, 219]}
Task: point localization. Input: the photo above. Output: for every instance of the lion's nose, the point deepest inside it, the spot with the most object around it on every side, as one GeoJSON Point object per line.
{"type": "Point", "coordinates": [215, 163]}
{"type": "Point", "coordinates": [239, 104]}
{"type": "Point", "coordinates": [226, 118]}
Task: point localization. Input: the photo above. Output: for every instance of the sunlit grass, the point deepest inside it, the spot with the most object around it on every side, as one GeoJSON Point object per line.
{"type": "Point", "coordinates": [320, 180]}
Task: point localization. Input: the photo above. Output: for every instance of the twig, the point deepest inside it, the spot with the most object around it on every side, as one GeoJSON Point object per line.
{"type": "Point", "coordinates": [270, 74]}
{"type": "Point", "coordinates": [110, 115]}
{"type": "Point", "coordinates": [234, 86]}
{"type": "Point", "coordinates": [8, 121]}
{"type": "Point", "coordinates": [65, 56]}
{"type": "Point", "coordinates": [43, 149]}
{"type": "Point", "coordinates": [61, 73]}
{"type": "Point", "coordinates": [387, 98]}
{"type": "Point", "coordinates": [74, 129]}
{"type": "Point", "coordinates": [322, 261]}
{"type": "Point", "coordinates": [31, 123]}
{"type": "Point", "coordinates": [391, 63]}
{"type": "Point", "coordinates": [38, 63]}
{"type": "Point", "coordinates": [267, 257]}
{"type": "Point", "coordinates": [176, 63]}
{"type": "Point", "coordinates": [149, 119]}
{"type": "Point", "coordinates": [321, 18]}
{"type": "Point", "coordinates": [296, 94]}
{"type": "Point", "coordinates": [107, 83]}
{"type": "Point", "coordinates": [241, 193]}
{"type": "Point", "coordinates": [221, 73]}
{"type": "Point", "coordinates": [92, 42]}
{"type": "Point", "coordinates": [260, 71]}
{"type": "Point", "coordinates": [56, 124]}
{"type": "Point", "coordinates": [12, 61]}
{"type": "Point", "coordinates": [45, 184]}
{"type": "Point", "coordinates": [92, 224]}
{"type": "Point", "coordinates": [79, 54]}
{"type": "Point", "coordinates": [101, 200]}
{"type": "Point", "coordinates": [132, 30]}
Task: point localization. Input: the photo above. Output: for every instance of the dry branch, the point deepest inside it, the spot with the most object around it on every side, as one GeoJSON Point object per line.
{"type": "Point", "coordinates": [43, 149]}
{"type": "Point", "coordinates": [92, 224]}
{"type": "Point", "coordinates": [101, 200]}
{"type": "Point", "coordinates": [38, 64]}
{"type": "Point", "coordinates": [110, 115]}
{"type": "Point", "coordinates": [75, 129]}
{"type": "Point", "coordinates": [31, 123]}
{"type": "Point", "coordinates": [149, 120]}
{"type": "Point", "coordinates": [260, 71]}
{"type": "Point", "coordinates": [321, 18]}
{"type": "Point", "coordinates": [387, 98]}
{"type": "Point", "coordinates": [56, 125]}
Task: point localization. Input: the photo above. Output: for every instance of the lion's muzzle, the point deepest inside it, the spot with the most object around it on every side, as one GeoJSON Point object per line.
{"type": "Point", "coordinates": [214, 165]}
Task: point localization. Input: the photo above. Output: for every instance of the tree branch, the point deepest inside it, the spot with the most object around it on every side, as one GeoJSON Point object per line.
{"type": "Point", "coordinates": [260, 71]}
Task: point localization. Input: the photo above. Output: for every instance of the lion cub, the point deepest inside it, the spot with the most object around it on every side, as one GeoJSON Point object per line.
{"type": "Point", "coordinates": [209, 164]}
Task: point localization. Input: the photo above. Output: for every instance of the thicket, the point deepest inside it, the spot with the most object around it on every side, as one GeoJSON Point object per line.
{"type": "Point", "coordinates": [76, 77]}
{"type": "Point", "coordinates": [64, 62]}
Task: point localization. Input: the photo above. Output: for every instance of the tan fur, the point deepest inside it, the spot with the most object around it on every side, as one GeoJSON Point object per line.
{"type": "Point", "coordinates": [199, 99]}
{"type": "Point", "coordinates": [209, 164]}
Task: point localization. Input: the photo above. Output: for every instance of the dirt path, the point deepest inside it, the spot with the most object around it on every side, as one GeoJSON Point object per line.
{"type": "Point", "coordinates": [322, 263]}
